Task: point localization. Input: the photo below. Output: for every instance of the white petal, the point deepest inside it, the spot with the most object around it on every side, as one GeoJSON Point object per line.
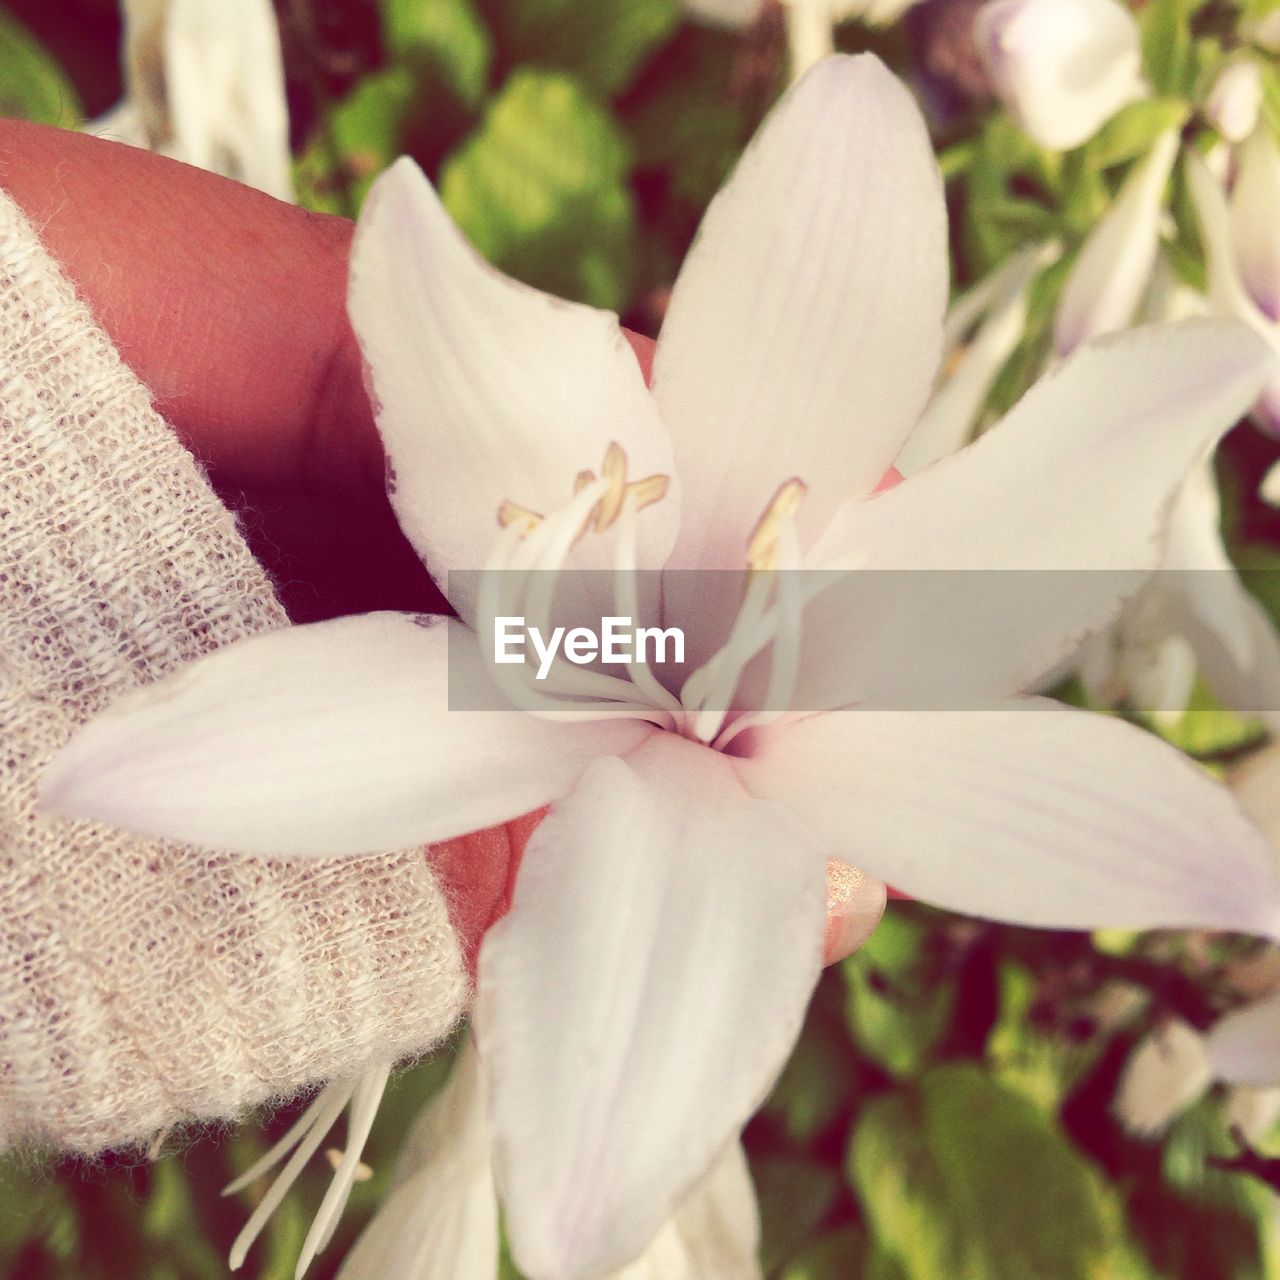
{"type": "Point", "coordinates": [1253, 1111]}
{"type": "Point", "coordinates": [805, 326]}
{"type": "Point", "coordinates": [810, 34]}
{"type": "Point", "coordinates": [1167, 1072]}
{"type": "Point", "coordinates": [1256, 783]}
{"type": "Point", "coordinates": [1113, 270]}
{"type": "Point", "coordinates": [954, 412]}
{"type": "Point", "coordinates": [1227, 292]}
{"type": "Point", "coordinates": [485, 389]}
{"type": "Point", "coordinates": [440, 1220]}
{"type": "Point", "coordinates": [1234, 102]}
{"type": "Point", "coordinates": [715, 1233]}
{"type": "Point", "coordinates": [1244, 1047]}
{"type": "Point", "coordinates": [734, 14]}
{"type": "Point", "coordinates": [328, 739]}
{"type": "Point", "coordinates": [1234, 640]}
{"type": "Point", "coordinates": [224, 90]}
{"type": "Point", "coordinates": [638, 1001]}
{"type": "Point", "coordinates": [1255, 213]}
{"type": "Point", "coordinates": [1079, 475]}
{"type": "Point", "coordinates": [1063, 67]}
{"type": "Point", "coordinates": [1036, 814]}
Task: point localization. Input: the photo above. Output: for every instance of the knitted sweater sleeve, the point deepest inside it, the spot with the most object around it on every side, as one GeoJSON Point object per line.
{"type": "Point", "coordinates": [143, 983]}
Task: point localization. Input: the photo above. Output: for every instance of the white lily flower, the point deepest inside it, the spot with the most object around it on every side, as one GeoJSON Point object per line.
{"type": "Point", "coordinates": [204, 83]}
{"type": "Point", "coordinates": [1234, 103]}
{"type": "Point", "coordinates": [440, 1219]}
{"type": "Point", "coordinates": [1166, 1073]}
{"type": "Point", "coordinates": [1242, 253]}
{"type": "Point", "coordinates": [641, 996]}
{"type": "Point", "coordinates": [1113, 271]}
{"type": "Point", "coordinates": [1062, 67]}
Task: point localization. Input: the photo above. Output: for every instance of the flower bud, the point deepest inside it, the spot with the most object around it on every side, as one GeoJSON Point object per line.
{"type": "Point", "coordinates": [1062, 67]}
{"type": "Point", "coordinates": [1114, 268]}
{"type": "Point", "coordinates": [1235, 100]}
{"type": "Point", "coordinates": [1166, 1074]}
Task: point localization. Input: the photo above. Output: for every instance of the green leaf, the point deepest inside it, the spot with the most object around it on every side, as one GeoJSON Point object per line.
{"type": "Point", "coordinates": [445, 38]}
{"type": "Point", "coordinates": [1131, 131]}
{"type": "Point", "coordinates": [795, 1195]}
{"type": "Point", "coordinates": [32, 85]}
{"type": "Point", "coordinates": [541, 190]}
{"type": "Point", "coordinates": [836, 1256]}
{"type": "Point", "coordinates": [601, 43]}
{"type": "Point", "coordinates": [362, 137]}
{"type": "Point", "coordinates": [895, 1008]}
{"type": "Point", "coordinates": [816, 1084]}
{"type": "Point", "coordinates": [1166, 46]}
{"type": "Point", "coordinates": [968, 1180]}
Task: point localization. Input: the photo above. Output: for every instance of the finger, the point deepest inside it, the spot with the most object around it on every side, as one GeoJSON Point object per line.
{"type": "Point", "coordinates": [228, 304]}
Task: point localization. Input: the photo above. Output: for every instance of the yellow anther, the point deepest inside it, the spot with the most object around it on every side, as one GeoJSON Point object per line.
{"type": "Point", "coordinates": [762, 545]}
{"type": "Point", "coordinates": [614, 474]}
{"type": "Point", "coordinates": [510, 513]}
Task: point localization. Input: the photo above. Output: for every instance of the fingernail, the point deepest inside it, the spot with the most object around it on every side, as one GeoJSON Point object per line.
{"type": "Point", "coordinates": [855, 903]}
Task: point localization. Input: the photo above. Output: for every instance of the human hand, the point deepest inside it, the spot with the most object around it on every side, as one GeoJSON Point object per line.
{"type": "Point", "coordinates": [230, 306]}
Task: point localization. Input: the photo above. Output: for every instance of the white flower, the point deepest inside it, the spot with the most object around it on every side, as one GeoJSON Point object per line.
{"type": "Point", "coordinates": [1235, 101]}
{"type": "Point", "coordinates": [204, 84]}
{"type": "Point", "coordinates": [440, 1220]}
{"type": "Point", "coordinates": [666, 927]}
{"type": "Point", "coordinates": [1062, 67]}
{"type": "Point", "coordinates": [1166, 1073]}
{"type": "Point", "coordinates": [1113, 270]}
{"type": "Point", "coordinates": [1242, 246]}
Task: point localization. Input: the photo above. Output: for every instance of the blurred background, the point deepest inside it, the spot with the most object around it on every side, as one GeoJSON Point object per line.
{"type": "Point", "coordinates": [950, 1112]}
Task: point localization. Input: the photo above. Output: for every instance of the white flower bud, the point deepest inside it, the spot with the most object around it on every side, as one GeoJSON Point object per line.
{"type": "Point", "coordinates": [1235, 100]}
{"type": "Point", "coordinates": [1063, 67]}
{"type": "Point", "coordinates": [1114, 268]}
{"type": "Point", "coordinates": [1167, 1073]}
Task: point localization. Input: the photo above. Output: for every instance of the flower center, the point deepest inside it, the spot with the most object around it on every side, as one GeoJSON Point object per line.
{"type": "Point", "coordinates": [521, 577]}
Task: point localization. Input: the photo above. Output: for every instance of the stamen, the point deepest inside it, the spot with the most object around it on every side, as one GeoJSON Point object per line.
{"type": "Point", "coordinates": [319, 1118]}
{"type": "Point", "coordinates": [364, 1107]}
{"type": "Point", "coordinates": [511, 513]}
{"type": "Point", "coordinates": [762, 545]}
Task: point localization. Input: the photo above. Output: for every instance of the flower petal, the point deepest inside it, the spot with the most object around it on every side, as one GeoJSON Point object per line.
{"type": "Point", "coordinates": [1035, 814]}
{"type": "Point", "coordinates": [955, 410]}
{"type": "Point", "coordinates": [1079, 476]}
{"type": "Point", "coordinates": [805, 326]}
{"type": "Point", "coordinates": [639, 1000]}
{"type": "Point", "coordinates": [327, 739]}
{"type": "Point", "coordinates": [1167, 1072]}
{"type": "Point", "coordinates": [485, 389]}
{"type": "Point", "coordinates": [715, 1232]}
{"type": "Point", "coordinates": [223, 88]}
{"type": "Point", "coordinates": [1244, 1047]}
{"type": "Point", "coordinates": [1254, 201]}
{"type": "Point", "coordinates": [1114, 267]}
{"type": "Point", "coordinates": [1227, 292]}
{"type": "Point", "coordinates": [440, 1219]}
{"type": "Point", "coordinates": [1063, 67]}
{"type": "Point", "coordinates": [1235, 644]}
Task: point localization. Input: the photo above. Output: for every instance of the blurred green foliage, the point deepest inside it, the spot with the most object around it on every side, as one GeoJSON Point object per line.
{"type": "Point", "coordinates": [947, 1113]}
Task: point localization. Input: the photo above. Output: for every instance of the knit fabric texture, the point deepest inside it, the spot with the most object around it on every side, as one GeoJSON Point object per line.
{"type": "Point", "coordinates": [144, 984]}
